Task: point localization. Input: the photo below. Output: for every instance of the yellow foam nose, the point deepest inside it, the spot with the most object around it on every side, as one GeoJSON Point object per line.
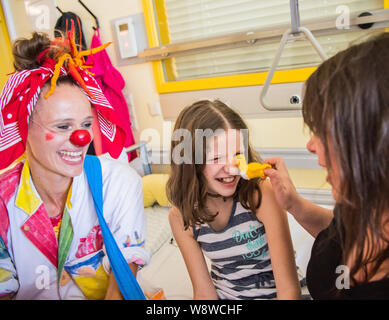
{"type": "Point", "coordinates": [241, 161]}
{"type": "Point", "coordinates": [256, 170]}
{"type": "Point", "coordinates": [253, 169]}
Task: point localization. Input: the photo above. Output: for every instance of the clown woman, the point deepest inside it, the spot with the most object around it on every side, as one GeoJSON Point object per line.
{"type": "Point", "coordinates": [51, 244]}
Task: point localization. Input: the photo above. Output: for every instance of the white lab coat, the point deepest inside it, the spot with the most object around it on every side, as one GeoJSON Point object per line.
{"type": "Point", "coordinates": [29, 251]}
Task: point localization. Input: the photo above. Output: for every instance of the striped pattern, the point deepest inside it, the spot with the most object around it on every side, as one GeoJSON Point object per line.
{"type": "Point", "coordinates": [98, 97]}
{"type": "Point", "coordinates": [15, 80]}
{"type": "Point", "coordinates": [9, 133]}
{"type": "Point", "coordinates": [106, 127]}
{"type": "Point", "coordinates": [10, 136]}
{"type": "Point", "coordinates": [17, 101]}
{"type": "Point", "coordinates": [241, 266]}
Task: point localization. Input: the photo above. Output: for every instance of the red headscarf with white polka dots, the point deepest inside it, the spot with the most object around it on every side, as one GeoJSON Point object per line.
{"type": "Point", "coordinates": [18, 99]}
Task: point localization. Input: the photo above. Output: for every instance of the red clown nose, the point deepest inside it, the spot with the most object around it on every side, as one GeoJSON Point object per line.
{"type": "Point", "coordinates": [80, 138]}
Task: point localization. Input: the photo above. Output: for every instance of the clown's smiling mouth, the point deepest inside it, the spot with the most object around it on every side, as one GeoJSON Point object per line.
{"type": "Point", "coordinates": [73, 156]}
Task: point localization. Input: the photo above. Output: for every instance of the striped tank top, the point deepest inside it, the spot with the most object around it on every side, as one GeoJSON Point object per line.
{"type": "Point", "coordinates": [241, 266]}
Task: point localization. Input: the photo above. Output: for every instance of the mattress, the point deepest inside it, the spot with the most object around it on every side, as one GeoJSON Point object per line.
{"type": "Point", "coordinates": [167, 271]}
{"type": "Point", "coordinates": [158, 229]}
{"type": "Point", "coordinates": [167, 268]}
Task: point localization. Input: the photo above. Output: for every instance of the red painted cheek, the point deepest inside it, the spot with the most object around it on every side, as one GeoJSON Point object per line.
{"type": "Point", "coordinates": [49, 136]}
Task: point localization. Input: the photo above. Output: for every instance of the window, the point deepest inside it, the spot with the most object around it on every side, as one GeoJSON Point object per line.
{"type": "Point", "coordinates": [178, 23]}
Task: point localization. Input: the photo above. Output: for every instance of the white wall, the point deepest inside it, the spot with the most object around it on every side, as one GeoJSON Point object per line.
{"type": "Point", "coordinates": [281, 132]}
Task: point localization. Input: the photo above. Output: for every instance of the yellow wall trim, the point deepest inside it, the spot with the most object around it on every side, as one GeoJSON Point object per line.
{"type": "Point", "coordinates": [240, 80]}
{"type": "Point", "coordinates": [164, 86]}
{"type": "Point", "coordinates": [6, 63]}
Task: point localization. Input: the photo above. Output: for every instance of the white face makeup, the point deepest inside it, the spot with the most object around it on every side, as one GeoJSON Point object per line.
{"type": "Point", "coordinates": [220, 170]}
{"type": "Point", "coordinates": [54, 120]}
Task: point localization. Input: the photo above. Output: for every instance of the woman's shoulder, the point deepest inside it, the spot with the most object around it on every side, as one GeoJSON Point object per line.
{"type": "Point", "coordinates": [267, 193]}
{"type": "Point", "coordinates": [266, 190]}
{"type": "Point", "coordinates": [175, 216]}
{"type": "Point", "coordinates": [118, 170]}
{"type": "Point", "coordinates": [266, 187]}
{"type": "Point", "coordinates": [177, 223]}
{"type": "Point", "coordinates": [119, 179]}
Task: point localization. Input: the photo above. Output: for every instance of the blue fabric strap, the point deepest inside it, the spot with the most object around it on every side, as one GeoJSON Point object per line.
{"type": "Point", "coordinates": [125, 279]}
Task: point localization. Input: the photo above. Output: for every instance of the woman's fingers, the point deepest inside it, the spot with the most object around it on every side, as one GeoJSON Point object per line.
{"type": "Point", "coordinates": [283, 187]}
{"type": "Point", "coordinates": [276, 162]}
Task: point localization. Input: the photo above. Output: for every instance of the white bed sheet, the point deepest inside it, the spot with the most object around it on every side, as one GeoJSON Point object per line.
{"type": "Point", "coordinates": [158, 229]}
{"type": "Point", "coordinates": [167, 270]}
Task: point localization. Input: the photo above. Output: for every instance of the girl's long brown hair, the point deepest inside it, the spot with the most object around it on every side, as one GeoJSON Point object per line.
{"type": "Point", "coordinates": [186, 187]}
{"type": "Point", "coordinates": [346, 104]}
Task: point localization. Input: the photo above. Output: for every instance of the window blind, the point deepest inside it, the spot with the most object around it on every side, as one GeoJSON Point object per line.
{"type": "Point", "coordinates": [199, 19]}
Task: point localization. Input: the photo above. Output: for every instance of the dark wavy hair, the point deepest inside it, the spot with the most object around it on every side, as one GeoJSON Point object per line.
{"type": "Point", "coordinates": [346, 104]}
{"type": "Point", "coordinates": [186, 187]}
{"type": "Point", "coordinates": [26, 51]}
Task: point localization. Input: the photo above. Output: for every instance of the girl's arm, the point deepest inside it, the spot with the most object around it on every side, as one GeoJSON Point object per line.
{"type": "Point", "coordinates": [203, 288]}
{"type": "Point", "coordinates": [279, 240]}
{"type": "Point", "coordinates": [113, 291]}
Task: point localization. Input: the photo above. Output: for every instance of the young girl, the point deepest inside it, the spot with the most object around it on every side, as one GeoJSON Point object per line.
{"type": "Point", "coordinates": [224, 216]}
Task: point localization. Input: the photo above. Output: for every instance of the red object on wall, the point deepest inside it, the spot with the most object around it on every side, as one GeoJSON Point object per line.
{"type": "Point", "coordinates": [111, 83]}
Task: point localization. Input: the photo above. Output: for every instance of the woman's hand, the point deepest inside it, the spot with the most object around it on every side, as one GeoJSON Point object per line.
{"type": "Point", "coordinates": [284, 189]}
{"type": "Point", "coordinates": [311, 217]}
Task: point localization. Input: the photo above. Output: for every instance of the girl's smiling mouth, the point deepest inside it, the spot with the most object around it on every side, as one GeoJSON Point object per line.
{"type": "Point", "coordinates": [227, 180]}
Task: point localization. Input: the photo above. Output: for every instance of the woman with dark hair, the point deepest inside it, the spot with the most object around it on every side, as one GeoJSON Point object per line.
{"type": "Point", "coordinates": [346, 107]}
{"type": "Point", "coordinates": [51, 242]}
{"type": "Point", "coordinates": [217, 214]}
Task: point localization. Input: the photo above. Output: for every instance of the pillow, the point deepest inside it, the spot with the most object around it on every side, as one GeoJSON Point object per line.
{"type": "Point", "coordinates": [154, 189]}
